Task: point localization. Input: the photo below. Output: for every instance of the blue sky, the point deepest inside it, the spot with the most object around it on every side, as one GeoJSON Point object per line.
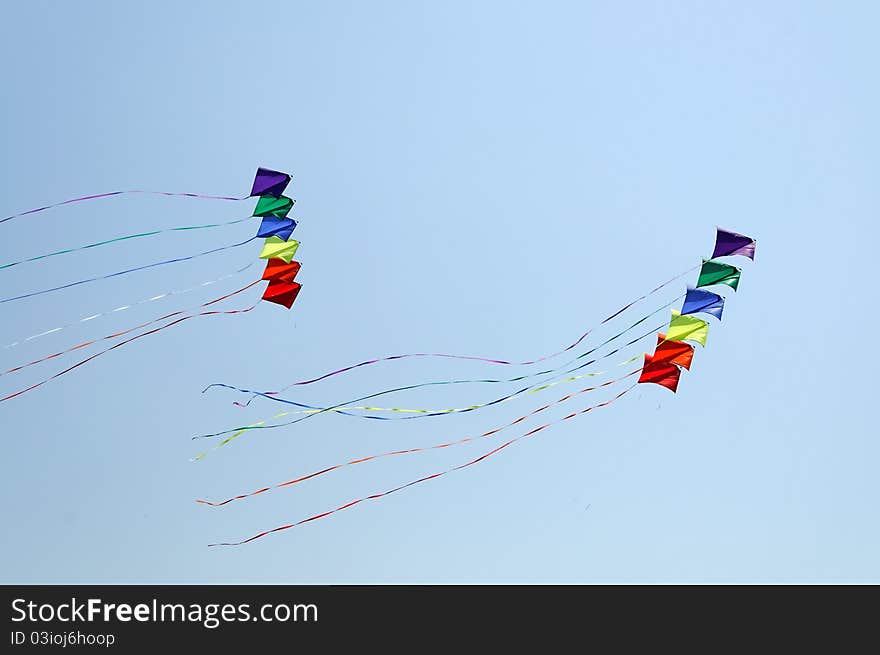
{"type": "Point", "coordinates": [477, 178]}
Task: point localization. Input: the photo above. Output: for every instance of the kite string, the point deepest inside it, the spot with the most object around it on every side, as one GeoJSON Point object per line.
{"type": "Point", "coordinates": [408, 451]}
{"type": "Point", "coordinates": [119, 193]}
{"type": "Point", "coordinates": [426, 478]}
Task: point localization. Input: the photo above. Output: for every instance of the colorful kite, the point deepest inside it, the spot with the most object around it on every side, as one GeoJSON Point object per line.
{"type": "Point", "coordinates": [276, 227]}
{"type": "Point", "coordinates": [730, 243]}
{"type": "Point", "coordinates": [687, 328]}
{"type": "Point", "coordinates": [700, 301]}
{"type": "Point", "coordinates": [662, 373]}
{"type": "Point", "coordinates": [672, 354]}
{"type": "Point", "coordinates": [713, 272]}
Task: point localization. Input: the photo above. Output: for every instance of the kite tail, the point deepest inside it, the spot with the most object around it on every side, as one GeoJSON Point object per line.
{"type": "Point", "coordinates": [433, 476]}
{"type": "Point", "coordinates": [127, 331]}
{"type": "Point", "coordinates": [122, 343]}
{"type": "Point", "coordinates": [408, 451]}
{"type": "Point", "coordinates": [238, 431]}
{"type": "Point", "coordinates": [126, 271]}
{"type": "Point", "coordinates": [488, 360]}
{"type": "Point", "coordinates": [120, 193]}
{"type": "Point", "coordinates": [234, 433]}
{"type": "Point", "coordinates": [419, 413]}
{"type": "Point", "coordinates": [122, 308]}
{"type": "Point", "coordinates": [127, 237]}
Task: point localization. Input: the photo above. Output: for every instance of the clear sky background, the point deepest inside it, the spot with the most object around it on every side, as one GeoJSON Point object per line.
{"type": "Point", "coordinates": [477, 178]}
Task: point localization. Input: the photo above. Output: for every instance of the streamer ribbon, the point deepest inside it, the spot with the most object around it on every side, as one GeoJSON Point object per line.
{"type": "Point", "coordinates": [122, 308]}
{"type": "Point", "coordinates": [122, 343]}
{"type": "Point", "coordinates": [120, 193]}
{"type": "Point", "coordinates": [426, 478]}
{"type": "Point", "coordinates": [125, 272]}
{"type": "Point", "coordinates": [127, 331]}
{"type": "Point", "coordinates": [234, 433]}
{"type": "Point", "coordinates": [124, 238]}
{"type": "Point", "coordinates": [338, 406]}
{"type": "Point", "coordinates": [504, 362]}
{"type": "Point", "coordinates": [424, 413]}
{"type": "Point", "coordinates": [409, 451]}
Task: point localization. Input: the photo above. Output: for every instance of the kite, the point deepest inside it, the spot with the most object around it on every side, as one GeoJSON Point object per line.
{"type": "Point", "coordinates": [269, 183]}
{"type": "Point", "coordinates": [730, 243]}
{"type": "Point", "coordinates": [282, 293]}
{"type": "Point", "coordinates": [277, 229]}
{"type": "Point", "coordinates": [277, 248]}
{"type": "Point", "coordinates": [272, 207]}
{"type": "Point", "coordinates": [275, 226]}
{"type": "Point", "coordinates": [700, 301]}
{"type": "Point", "coordinates": [687, 328]}
{"type": "Point", "coordinates": [673, 352]}
{"type": "Point", "coordinates": [278, 269]}
{"type": "Point", "coordinates": [662, 373]}
{"type": "Point", "coordinates": [714, 272]}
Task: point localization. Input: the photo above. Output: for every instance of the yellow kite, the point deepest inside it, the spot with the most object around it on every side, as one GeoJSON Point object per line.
{"type": "Point", "coordinates": [275, 247]}
{"type": "Point", "coordinates": [687, 328]}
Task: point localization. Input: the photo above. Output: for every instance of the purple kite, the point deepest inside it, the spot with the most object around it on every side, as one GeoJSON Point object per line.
{"type": "Point", "coordinates": [269, 183]}
{"type": "Point", "coordinates": [731, 243]}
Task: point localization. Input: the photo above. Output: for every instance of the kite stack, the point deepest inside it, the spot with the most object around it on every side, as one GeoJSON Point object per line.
{"type": "Point", "coordinates": [672, 353]}
{"type": "Point", "coordinates": [276, 227]}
